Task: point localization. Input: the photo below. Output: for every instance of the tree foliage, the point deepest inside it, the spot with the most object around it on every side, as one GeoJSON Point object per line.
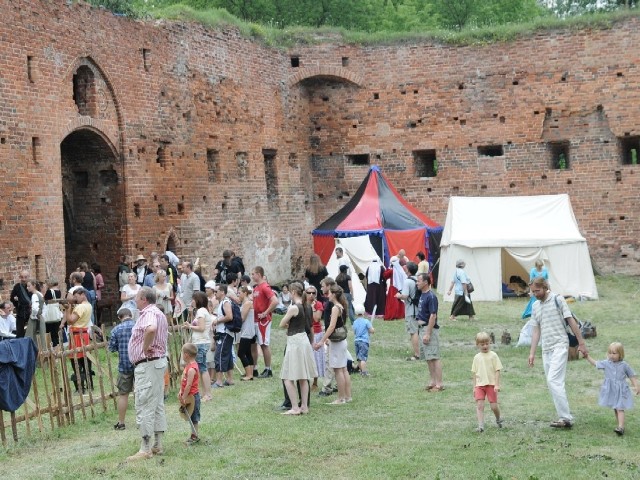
{"type": "Point", "coordinates": [381, 15]}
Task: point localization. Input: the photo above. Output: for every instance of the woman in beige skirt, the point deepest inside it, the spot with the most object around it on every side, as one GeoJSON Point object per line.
{"type": "Point", "coordinates": [298, 364]}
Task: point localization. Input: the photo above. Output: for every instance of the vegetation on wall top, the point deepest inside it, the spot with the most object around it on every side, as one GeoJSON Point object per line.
{"type": "Point", "coordinates": [283, 23]}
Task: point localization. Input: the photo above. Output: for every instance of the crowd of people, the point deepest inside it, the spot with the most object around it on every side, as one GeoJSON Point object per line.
{"type": "Point", "coordinates": [229, 317]}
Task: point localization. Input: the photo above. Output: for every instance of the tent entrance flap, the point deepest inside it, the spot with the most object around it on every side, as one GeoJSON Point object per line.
{"type": "Point", "coordinates": [513, 264]}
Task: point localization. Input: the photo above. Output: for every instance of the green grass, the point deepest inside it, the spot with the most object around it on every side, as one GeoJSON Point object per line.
{"type": "Point", "coordinates": [393, 429]}
{"type": "Point", "coordinates": [290, 36]}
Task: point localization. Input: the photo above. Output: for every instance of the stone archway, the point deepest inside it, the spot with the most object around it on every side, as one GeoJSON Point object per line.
{"type": "Point", "coordinates": [93, 203]}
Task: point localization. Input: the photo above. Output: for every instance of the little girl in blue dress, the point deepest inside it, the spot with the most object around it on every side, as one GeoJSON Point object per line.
{"type": "Point", "coordinates": [615, 392]}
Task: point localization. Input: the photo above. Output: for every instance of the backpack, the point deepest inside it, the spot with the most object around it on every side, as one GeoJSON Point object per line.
{"type": "Point", "coordinates": [415, 300]}
{"type": "Point", "coordinates": [573, 340]}
{"type": "Point", "coordinates": [235, 325]}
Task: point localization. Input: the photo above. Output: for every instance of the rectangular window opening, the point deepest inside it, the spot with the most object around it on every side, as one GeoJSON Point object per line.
{"type": "Point", "coordinates": [559, 155]}
{"type": "Point", "coordinates": [146, 59]}
{"type": "Point", "coordinates": [358, 159]}
{"type": "Point", "coordinates": [35, 149]}
{"type": "Point", "coordinates": [491, 150]}
{"type": "Point", "coordinates": [629, 149]}
{"type": "Point", "coordinates": [270, 174]}
{"type": "Point", "coordinates": [425, 163]}
{"type": "Point", "coordinates": [213, 165]}
{"type": "Point", "coordinates": [30, 69]}
{"type": "Point", "coordinates": [41, 273]}
{"type": "Point", "coordinates": [295, 62]}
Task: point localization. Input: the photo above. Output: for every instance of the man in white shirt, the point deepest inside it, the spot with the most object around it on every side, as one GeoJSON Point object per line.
{"type": "Point", "coordinates": [189, 283]}
{"type": "Point", "coordinates": [342, 260]}
{"type": "Point", "coordinates": [7, 320]}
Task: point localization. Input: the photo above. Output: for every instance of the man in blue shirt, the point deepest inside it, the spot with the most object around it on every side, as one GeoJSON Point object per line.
{"type": "Point", "coordinates": [427, 318]}
{"type": "Point", "coordinates": [119, 342]}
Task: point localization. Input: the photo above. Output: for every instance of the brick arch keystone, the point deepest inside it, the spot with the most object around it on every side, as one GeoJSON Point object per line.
{"type": "Point", "coordinates": [338, 73]}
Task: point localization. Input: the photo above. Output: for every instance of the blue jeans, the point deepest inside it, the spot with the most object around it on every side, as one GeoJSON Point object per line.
{"type": "Point", "coordinates": [352, 313]}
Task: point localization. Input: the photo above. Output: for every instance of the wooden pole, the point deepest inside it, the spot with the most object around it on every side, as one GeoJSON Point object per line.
{"type": "Point", "coordinates": [45, 370]}
{"type": "Point", "coordinates": [3, 435]}
{"type": "Point", "coordinates": [112, 385]}
{"type": "Point", "coordinates": [96, 362]}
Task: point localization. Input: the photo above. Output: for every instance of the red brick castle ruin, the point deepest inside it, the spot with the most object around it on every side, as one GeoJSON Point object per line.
{"type": "Point", "coordinates": [122, 136]}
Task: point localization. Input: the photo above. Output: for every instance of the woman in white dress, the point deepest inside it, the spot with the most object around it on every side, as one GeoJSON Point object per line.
{"type": "Point", "coordinates": [164, 292]}
{"type": "Point", "coordinates": [128, 295]}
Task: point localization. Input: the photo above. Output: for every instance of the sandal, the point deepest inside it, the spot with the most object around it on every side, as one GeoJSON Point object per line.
{"type": "Point", "coordinates": [619, 431]}
{"type": "Point", "coordinates": [337, 402]}
{"type": "Point", "coordinates": [246, 379]}
{"type": "Point", "coordinates": [428, 388]}
{"type": "Point", "coordinates": [436, 388]}
{"type": "Point", "coordinates": [561, 424]}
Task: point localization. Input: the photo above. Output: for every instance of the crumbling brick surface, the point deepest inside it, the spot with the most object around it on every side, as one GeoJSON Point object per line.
{"type": "Point", "coordinates": [166, 139]}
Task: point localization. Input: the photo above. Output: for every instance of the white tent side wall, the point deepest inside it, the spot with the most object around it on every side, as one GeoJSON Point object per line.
{"type": "Point", "coordinates": [477, 234]}
{"type": "Point", "coordinates": [483, 266]}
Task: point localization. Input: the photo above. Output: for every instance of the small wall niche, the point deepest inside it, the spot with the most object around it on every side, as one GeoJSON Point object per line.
{"type": "Point", "coordinates": [270, 173]}
{"type": "Point", "coordinates": [213, 165]}
{"type": "Point", "coordinates": [425, 163]}
{"type": "Point", "coordinates": [146, 59]}
{"type": "Point", "coordinates": [358, 158]}
{"type": "Point", "coordinates": [35, 149]}
{"type": "Point", "coordinates": [490, 150]}
{"type": "Point", "coordinates": [82, 179]}
{"type": "Point", "coordinates": [295, 61]}
{"type": "Point", "coordinates": [31, 69]}
{"type": "Point", "coordinates": [559, 153]}
{"type": "Point", "coordinates": [629, 149]}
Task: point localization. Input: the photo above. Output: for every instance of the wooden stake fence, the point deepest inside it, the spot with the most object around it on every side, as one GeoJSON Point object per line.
{"type": "Point", "coordinates": [53, 401]}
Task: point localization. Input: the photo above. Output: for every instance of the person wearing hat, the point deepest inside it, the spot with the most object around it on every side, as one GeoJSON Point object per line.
{"type": "Point", "coordinates": [141, 269]}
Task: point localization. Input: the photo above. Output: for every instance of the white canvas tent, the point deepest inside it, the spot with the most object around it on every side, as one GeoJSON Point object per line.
{"type": "Point", "coordinates": [360, 252]}
{"type": "Point", "coordinates": [499, 237]}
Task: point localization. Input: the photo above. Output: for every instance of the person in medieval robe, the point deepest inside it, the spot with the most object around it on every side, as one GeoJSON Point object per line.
{"type": "Point", "coordinates": [394, 308]}
{"type": "Point", "coordinates": [376, 288]}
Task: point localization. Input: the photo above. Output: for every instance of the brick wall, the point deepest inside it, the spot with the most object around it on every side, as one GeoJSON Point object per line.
{"type": "Point", "coordinates": [121, 136]}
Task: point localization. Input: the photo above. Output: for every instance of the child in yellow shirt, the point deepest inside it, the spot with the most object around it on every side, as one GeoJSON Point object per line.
{"type": "Point", "coordinates": [486, 368]}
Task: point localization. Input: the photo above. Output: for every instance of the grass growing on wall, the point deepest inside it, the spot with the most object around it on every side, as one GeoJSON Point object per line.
{"type": "Point", "coordinates": [287, 37]}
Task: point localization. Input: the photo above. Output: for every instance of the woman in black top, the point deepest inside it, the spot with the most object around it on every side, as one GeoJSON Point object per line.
{"type": "Point", "coordinates": [298, 364]}
{"type": "Point", "coordinates": [53, 293]}
{"type": "Point", "coordinates": [315, 272]}
{"type": "Point", "coordinates": [344, 281]}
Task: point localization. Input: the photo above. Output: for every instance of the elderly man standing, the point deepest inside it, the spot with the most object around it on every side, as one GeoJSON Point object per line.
{"type": "Point", "coordinates": [22, 301]}
{"type": "Point", "coordinates": [550, 316]}
{"type": "Point", "coordinates": [147, 352]}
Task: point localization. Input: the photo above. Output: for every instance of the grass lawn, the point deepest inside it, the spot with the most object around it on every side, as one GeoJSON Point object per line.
{"type": "Point", "coordinates": [393, 428]}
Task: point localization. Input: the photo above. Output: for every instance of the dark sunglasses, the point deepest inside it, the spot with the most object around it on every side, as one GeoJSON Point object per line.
{"type": "Point", "coordinates": [311, 293]}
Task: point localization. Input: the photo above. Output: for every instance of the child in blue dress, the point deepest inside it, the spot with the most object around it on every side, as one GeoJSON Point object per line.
{"type": "Point", "coordinates": [615, 392]}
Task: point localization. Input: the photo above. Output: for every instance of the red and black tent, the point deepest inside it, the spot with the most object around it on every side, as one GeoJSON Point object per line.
{"type": "Point", "coordinates": [379, 211]}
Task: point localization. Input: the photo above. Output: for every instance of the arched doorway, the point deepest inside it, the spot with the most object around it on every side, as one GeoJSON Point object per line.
{"type": "Point", "coordinates": [93, 204]}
